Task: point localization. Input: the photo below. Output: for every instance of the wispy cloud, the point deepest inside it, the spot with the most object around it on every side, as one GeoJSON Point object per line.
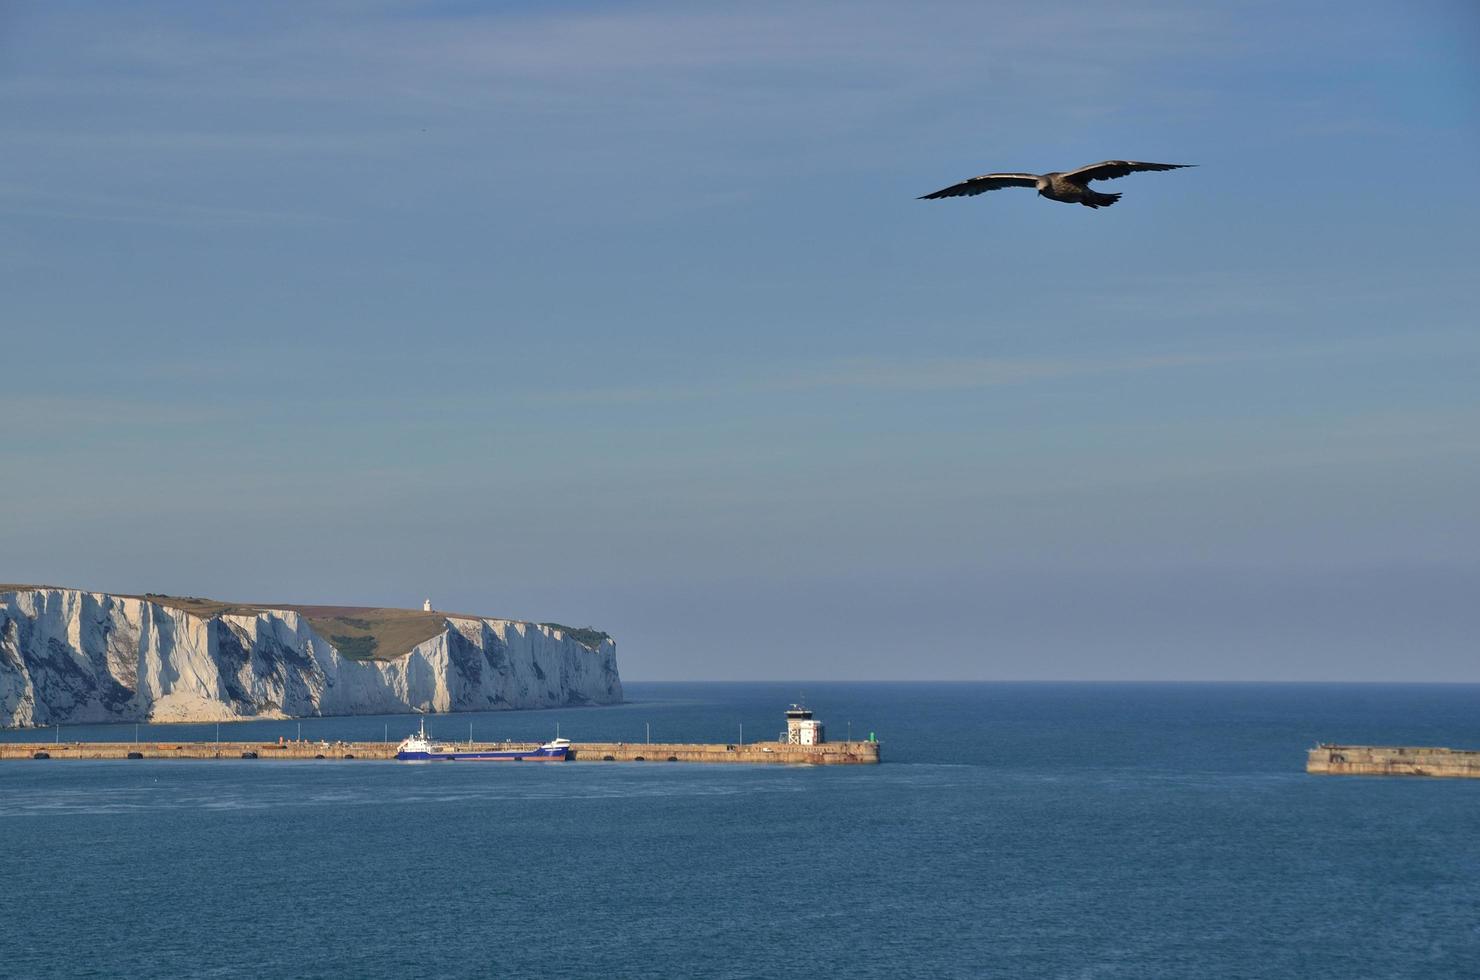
{"type": "Point", "coordinates": [924, 374]}
{"type": "Point", "coordinates": [51, 416]}
{"type": "Point", "coordinates": [36, 201]}
{"type": "Point", "coordinates": [814, 64]}
{"type": "Point", "coordinates": [128, 139]}
{"type": "Point", "coordinates": [946, 374]}
{"type": "Point", "coordinates": [671, 105]}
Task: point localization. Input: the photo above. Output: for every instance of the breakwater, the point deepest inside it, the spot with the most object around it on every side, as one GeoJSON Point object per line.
{"type": "Point", "coordinates": [826, 754]}
{"type": "Point", "coordinates": [771, 753]}
{"type": "Point", "coordinates": [1383, 760]}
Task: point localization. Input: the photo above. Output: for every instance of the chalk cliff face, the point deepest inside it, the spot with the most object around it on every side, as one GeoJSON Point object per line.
{"type": "Point", "coordinates": [70, 656]}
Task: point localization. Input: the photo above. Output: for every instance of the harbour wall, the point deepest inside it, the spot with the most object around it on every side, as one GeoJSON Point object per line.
{"type": "Point", "coordinates": [1383, 760]}
{"type": "Point", "coordinates": [826, 754]}
{"type": "Point", "coordinates": [769, 753]}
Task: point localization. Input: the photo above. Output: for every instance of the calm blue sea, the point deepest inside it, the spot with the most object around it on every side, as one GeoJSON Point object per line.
{"type": "Point", "coordinates": [1016, 830]}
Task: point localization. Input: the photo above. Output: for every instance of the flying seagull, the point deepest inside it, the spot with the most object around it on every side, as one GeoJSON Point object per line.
{"type": "Point", "coordinates": [1070, 188]}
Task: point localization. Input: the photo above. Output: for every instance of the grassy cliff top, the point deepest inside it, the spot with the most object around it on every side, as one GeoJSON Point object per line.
{"type": "Point", "coordinates": [357, 632]}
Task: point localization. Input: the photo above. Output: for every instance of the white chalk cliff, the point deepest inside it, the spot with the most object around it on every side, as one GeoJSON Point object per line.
{"type": "Point", "coordinates": [70, 656]}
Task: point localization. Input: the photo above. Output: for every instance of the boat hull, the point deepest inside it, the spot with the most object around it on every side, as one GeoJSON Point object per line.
{"type": "Point", "coordinates": [503, 755]}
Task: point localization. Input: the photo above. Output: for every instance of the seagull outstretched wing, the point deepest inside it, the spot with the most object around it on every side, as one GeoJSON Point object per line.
{"type": "Point", "coordinates": [1111, 169]}
{"type": "Point", "coordinates": [980, 185]}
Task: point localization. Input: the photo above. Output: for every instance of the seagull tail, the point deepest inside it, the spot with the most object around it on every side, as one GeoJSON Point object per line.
{"type": "Point", "coordinates": [1094, 199]}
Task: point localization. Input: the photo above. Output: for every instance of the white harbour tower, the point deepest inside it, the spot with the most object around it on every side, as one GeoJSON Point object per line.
{"type": "Point", "coordinates": [801, 727]}
{"type": "Point", "coordinates": [426, 605]}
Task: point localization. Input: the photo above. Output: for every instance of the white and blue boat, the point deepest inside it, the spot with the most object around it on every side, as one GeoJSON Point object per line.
{"type": "Point", "coordinates": [418, 748]}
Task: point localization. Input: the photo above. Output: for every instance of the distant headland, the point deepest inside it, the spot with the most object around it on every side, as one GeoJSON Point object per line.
{"type": "Point", "coordinates": [72, 656]}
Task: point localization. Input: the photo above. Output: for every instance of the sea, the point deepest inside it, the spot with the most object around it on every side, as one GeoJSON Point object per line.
{"type": "Point", "coordinates": [1064, 830]}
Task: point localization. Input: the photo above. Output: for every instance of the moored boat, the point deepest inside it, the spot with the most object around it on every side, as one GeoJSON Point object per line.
{"type": "Point", "coordinates": [419, 748]}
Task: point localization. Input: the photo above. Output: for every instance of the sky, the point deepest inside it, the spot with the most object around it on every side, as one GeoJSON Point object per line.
{"type": "Point", "coordinates": [626, 315]}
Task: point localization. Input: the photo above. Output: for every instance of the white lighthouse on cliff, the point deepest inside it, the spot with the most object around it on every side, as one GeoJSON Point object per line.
{"type": "Point", "coordinates": [426, 605]}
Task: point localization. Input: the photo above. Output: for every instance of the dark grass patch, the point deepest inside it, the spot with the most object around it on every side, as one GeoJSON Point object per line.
{"type": "Point", "coordinates": [586, 636]}
{"type": "Point", "coordinates": [355, 647]}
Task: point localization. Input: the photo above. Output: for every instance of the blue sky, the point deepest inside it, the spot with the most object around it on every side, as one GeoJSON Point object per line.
{"type": "Point", "coordinates": [626, 314]}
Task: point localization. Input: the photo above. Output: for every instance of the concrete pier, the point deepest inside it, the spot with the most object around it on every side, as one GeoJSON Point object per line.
{"type": "Point", "coordinates": [826, 754]}
{"type": "Point", "coordinates": [1383, 760]}
{"type": "Point", "coordinates": [773, 753]}
{"type": "Point", "coordinates": [197, 750]}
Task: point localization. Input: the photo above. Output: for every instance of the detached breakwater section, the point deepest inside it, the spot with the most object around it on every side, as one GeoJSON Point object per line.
{"type": "Point", "coordinates": [1383, 760]}
{"type": "Point", "coordinates": [773, 753]}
